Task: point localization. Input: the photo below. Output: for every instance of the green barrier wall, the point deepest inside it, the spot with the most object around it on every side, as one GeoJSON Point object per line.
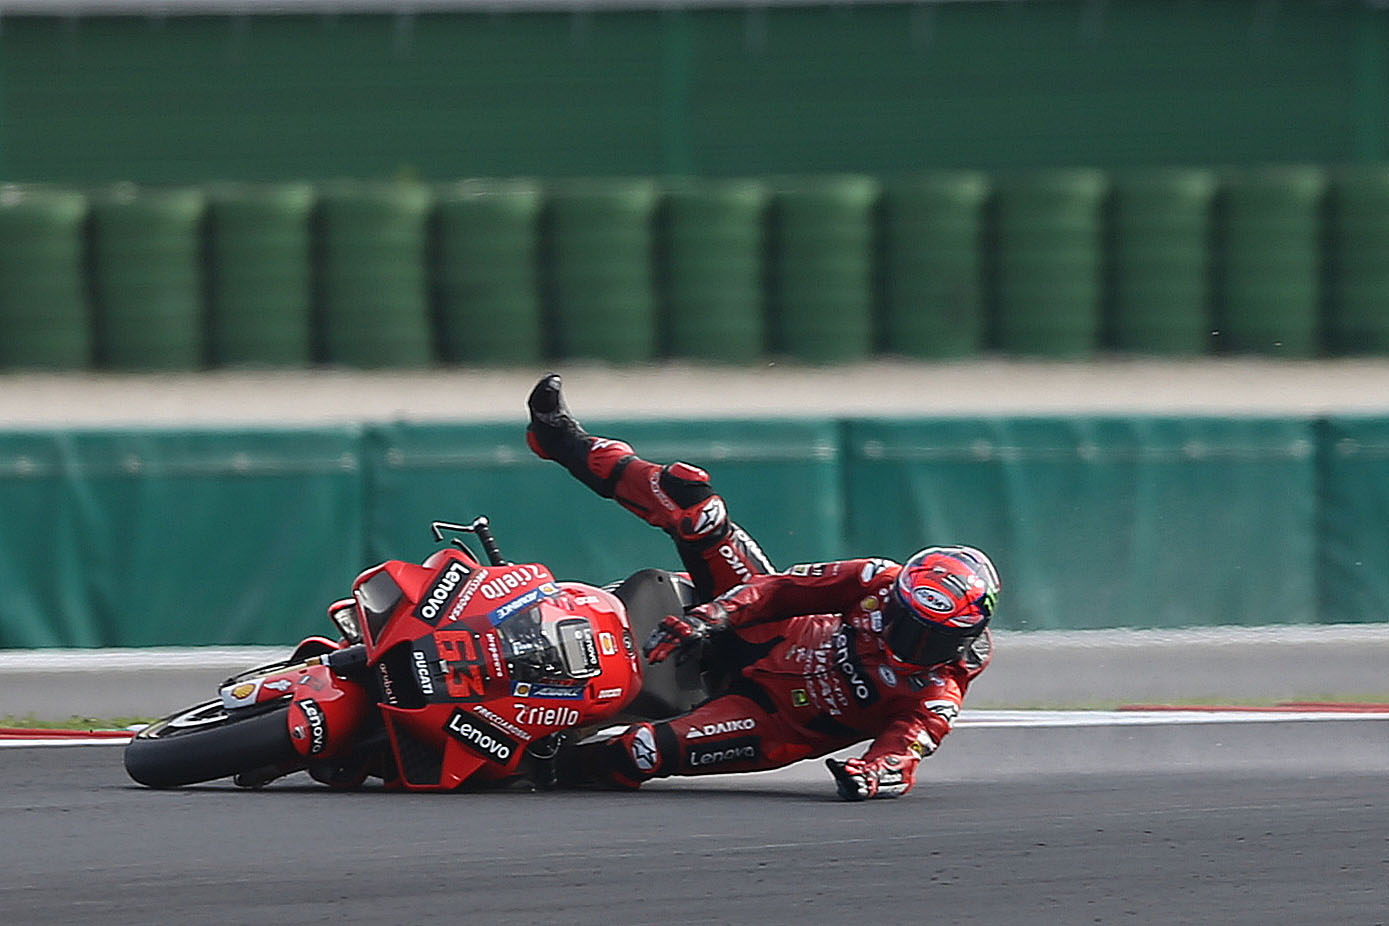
{"type": "Point", "coordinates": [1185, 262]}
{"type": "Point", "coordinates": [241, 537]}
{"type": "Point", "coordinates": [146, 278]}
{"type": "Point", "coordinates": [736, 91]}
{"type": "Point", "coordinates": [1102, 522]}
{"type": "Point", "coordinates": [43, 303]}
{"type": "Point", "coordinates": [710, 270]}
{"type": "Point", "coordinates": [151, 538]}
{"type": "Point", "coordinates": [1048, 262]}
{"type": "Point", "coordinates": [1269, 256]}
{"type": "Point", "coordinates": [602, 295]}
{"type": "Point", "coordinates": [932, 265]}
{"type": "Point", "coordinates": [1358, 253]}
{"type": "Point", "coordinates": [1160, 244]}
{"type": "Point", "coordinates": [1353, 523]}
{"type": "Point", "coordinates": [781, 478]}
{"type": "Point", "coordinates": [822, 247]}
{"type": "Point", "coordinates": [485, 271]}
{"type": "Point", "coordinates": [373, 292]}
{"type": "Point", "coordinates": [259, 283]}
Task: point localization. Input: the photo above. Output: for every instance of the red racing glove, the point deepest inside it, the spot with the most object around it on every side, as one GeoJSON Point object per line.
{"type": "Point", "coordinates": [858, 780]}
{"type": "Point", "coordinates": [682, 634]}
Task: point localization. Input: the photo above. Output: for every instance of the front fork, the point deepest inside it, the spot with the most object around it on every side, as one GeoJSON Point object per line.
{"type": "Point", "coordinates": [329, 699]}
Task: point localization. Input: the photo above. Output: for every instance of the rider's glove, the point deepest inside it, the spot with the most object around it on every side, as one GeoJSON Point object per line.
{"type": "Point", "coordinates": [858, 780]}
{"type": "Point", "coordinates": [682, 633]}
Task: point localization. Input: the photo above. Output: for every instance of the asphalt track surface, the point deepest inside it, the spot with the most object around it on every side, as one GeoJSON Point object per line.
{"type": "Point", "coordinates": [1279, 822]}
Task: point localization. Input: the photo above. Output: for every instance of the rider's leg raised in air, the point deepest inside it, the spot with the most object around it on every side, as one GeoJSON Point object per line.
{"type": "Point", "coordinates": [676, 497]}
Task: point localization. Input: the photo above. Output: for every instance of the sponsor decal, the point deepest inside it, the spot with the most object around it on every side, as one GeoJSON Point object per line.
{"type": "Point", "coordinates": [730, 556]}
{"type": "Point", "coordinates": [922, 746]}
{"type": "Point", "coordinates": [643, 749]}
{"type": "Point", "coordinates": [918, 682]}
{"type": "Point", "coordinates": [722, 752]}
{"type": "Point", "coordinates": [872, 568]}
{"type": "Point", "coordinates": [578, 647]}
{"type": "Point", "coordinates": [242, 692]}
{"type": "Point", "coordinates": [712, 515]}
{"type": "Point", "coordinates": [933, 599]}
{"type": "Point", "coordinates": [721, 727]}
{"type": "Point", "coordinates": [480, 737]}
{"type": "Point", "coordinates": [492, 649]}
{"type": "Point", "coordinates": [442, 592]}
{"type": "Point", "coordinates": [318, 727]}
{"type": "Point", "coordinates": [944, 708]}
{"type": "Point", "coordinates": [532, 715]}
{"type": "Point", "coordinates": [387, 684]}
{"type": "Point", "coordinates": [799, 698]}
{"type": "Point", "coordinates": [847, 661]}
{"type": "Point", "coordinates": [482, 711]}
{"type": "Point", "coordinates": [501, 584]}
{"type": "Point", "coordinates": [279, 684]}
{"type": "Point", "coordinates": [608, 694]}
{"type": "Point", "coordinates": [586, 599]}
{"type": "Point", "coordinates": [608, 644]}
{"type": "Point", "coordinates": [465, 597]}
{"type": "Point", "coordinates": [888, 676]}
{"type": "Point", "coordinates": [808, 569]}
{"type": "Point", "coordinates": [536, 690]}
{"type": "Point", "coordinates": [831, 700]}
{"type": "Point", "coordinates": [586, 640]}
{"type": "Point", "coordinates": [462, 662]}
{"type": "Point", "coordinates": [422, 673]}
{"type": "Point", "coordinates": [521, 602]}
{"type": "Point", "coordinates": [311, 681]}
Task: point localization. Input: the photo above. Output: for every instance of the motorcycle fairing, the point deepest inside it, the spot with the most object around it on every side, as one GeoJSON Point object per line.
{"type": "Point", "coordinates": [478, 662]}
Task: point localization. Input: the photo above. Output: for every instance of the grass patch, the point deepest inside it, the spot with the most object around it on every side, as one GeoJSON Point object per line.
{"type": "Point", "coordinates": [31, 722]}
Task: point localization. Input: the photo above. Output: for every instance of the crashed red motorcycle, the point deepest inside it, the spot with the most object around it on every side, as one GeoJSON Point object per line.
{"type": "Point", "coordinates": [450, 673]}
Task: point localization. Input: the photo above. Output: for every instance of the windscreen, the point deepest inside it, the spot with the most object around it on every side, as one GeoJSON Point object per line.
{"type": "Point", "coordinates": [531, 655]}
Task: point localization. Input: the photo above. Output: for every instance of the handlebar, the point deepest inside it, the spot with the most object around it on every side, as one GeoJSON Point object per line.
{"type": "Point", "coordinates": [480, 528]}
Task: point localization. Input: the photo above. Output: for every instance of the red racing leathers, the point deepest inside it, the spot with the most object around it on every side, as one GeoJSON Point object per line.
{"type": "Point", "coordinates": [814, 677]}
{"type": "Point", "coordinates": [807, 671]}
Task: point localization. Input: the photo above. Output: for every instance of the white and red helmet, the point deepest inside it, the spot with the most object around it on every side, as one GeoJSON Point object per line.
{"type": "Point", "coordinates": [941, 601]}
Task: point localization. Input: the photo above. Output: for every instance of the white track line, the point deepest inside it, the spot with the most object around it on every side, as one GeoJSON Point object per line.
{"type": "Point", "coordinates": [988, 720]}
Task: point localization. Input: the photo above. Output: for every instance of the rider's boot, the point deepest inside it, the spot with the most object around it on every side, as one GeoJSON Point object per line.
{"type": "Point", "coordinates": [676, 497]}
{"type": "Point", "coordinates": [621, 762]}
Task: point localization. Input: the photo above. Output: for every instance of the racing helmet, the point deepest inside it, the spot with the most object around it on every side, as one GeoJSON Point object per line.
{"type": "Point", "coordinates": [939, 603]}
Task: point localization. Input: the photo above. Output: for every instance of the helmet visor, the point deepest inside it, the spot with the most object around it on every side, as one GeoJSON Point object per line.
{"type": "Point", "coordinates": [913, 640]}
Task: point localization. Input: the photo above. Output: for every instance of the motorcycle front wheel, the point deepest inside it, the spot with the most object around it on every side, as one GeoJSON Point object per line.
{"type": "Point", "coordinates": [205, 742]}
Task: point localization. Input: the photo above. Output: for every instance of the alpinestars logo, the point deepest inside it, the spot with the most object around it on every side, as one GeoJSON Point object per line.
{"type": "Point", "coordinates": [710, 517]}
{"type": "Point", "coordinates": [643, 749]}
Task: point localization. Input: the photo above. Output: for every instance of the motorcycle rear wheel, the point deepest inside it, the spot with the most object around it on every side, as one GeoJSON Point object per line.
{"type": "Point", "coordinates": [205, 742]}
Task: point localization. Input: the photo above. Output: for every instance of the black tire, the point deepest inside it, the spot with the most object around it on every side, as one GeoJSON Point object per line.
{"type": "Point", "coordinates": [204, 743]}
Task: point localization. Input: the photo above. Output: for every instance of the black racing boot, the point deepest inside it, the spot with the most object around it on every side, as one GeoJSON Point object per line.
{"type": "Point", "coordinates": [553, 433]}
